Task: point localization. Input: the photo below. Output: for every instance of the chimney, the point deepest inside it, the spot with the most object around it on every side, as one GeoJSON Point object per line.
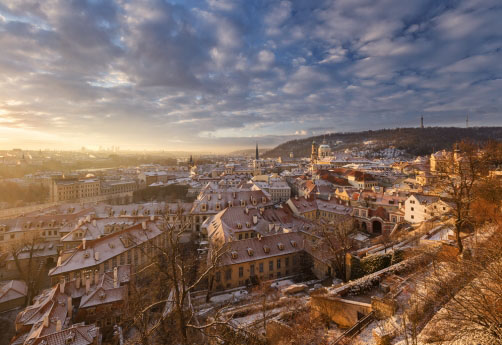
{"type": "Point", "coordinates": [94, 222]}
{"type": "Point", "coordinates": [270, 226]}
{"type": "Point", "coordinates": [115, 277]}
{"type": "Point", "coordinates": [152, 217]}
{"type": "Point", "coordinates": [246, 210]}
{"type": "Point", "coordinates": [70, 307]}
{"type": "Point", "coordinates": [96, 277]}
{"type": "Point", "coordinates": [59, 261]}
{"type": "Point", "coordinates": [83, 243]}
{"type": "Point", "coordinates": [59, 326]}
{"type": "Point", "coordinates": [96, 256]}
{"type": "Point", "coordinates": [87, 285]}
{"type": "Point", "coordinates": [143, 225]}
{"type": "Point", "coordinates": [277, 227]}
{"type": "Point", "coordinates": [262, 210]}
{"type": "Point", "coordinates": [255, 219]}
{"type": "Point", "coordinates": [61, 286]}
{"type": "Point", "coordinates": [77, 283]}
{"type": "Point", "coordinates": [46, 321]}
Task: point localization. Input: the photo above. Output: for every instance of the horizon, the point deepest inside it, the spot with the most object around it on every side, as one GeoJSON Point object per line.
{"type": "Point", "coordinates": [118, 150]}
{"type": "Point", "coordinates": [219, 75]}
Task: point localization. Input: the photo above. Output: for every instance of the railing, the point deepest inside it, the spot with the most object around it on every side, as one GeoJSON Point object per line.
{"type": "Point", "coordinates": [354, 330]}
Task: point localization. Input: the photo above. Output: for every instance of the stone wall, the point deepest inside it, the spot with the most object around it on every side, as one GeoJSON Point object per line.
{"type": "Point", "coordinates": [383, 307]}
{"type": "Point", "coordinates": [344, 313]}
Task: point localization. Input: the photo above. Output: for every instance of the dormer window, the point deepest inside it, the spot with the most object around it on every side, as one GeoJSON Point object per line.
{"type": "Point", "coordinates": [239, 226]}
{"type": "Point", "coordinates": [266, 249]}
{"type": "Point", "coordinates": [263, 199]}
{"type": "Point", "coordinates": [250, 252]}
{"type": "Point", "coordinates": [234, 255]}
{"type": "Point", "coordinates": [203, 207]}
{"type": "Point", "coordinates": [294, 244]}
{"type": "Point", "coordinates": [248, 224]}
{"type": "Point", "coordinates": [243, 203]}
{"type": "Point", "coordinates": [280, 246]}
{"type": "Point", "coordinates": [218, 206]}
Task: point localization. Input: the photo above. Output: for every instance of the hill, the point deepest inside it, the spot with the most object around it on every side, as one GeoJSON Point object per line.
{"type": "Point", "coordinates": [407, 141]}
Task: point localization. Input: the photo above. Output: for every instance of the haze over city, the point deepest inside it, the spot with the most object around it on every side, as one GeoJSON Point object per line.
{"type": "Point", "coordinates": [221, 75]}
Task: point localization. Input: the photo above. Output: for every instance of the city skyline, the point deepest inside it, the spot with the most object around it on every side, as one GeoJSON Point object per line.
{"type": "Point", "coordinates": [220, 75]}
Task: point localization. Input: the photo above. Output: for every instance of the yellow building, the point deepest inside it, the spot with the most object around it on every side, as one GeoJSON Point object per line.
{"type": "Point", "coordinates": [257, 259]}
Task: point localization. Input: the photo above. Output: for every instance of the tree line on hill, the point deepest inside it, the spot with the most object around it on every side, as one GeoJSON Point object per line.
{"type": "Point", "coordinates": [413, 141]}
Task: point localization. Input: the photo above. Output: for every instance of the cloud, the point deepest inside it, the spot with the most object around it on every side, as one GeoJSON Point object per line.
{"type": "Point", "coordinates": [222, 74]}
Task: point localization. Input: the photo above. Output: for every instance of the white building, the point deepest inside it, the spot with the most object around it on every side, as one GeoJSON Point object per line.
{"type": "Point", "coordinates": [419, 208]}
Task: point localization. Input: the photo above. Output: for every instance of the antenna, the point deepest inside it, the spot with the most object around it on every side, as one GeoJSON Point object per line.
{"type": "Point", "coordinates": [467, 121]}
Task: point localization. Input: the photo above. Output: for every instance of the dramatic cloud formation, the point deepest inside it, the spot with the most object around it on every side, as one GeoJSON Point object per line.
{"type": "Point", "coordinates": [220, 74]}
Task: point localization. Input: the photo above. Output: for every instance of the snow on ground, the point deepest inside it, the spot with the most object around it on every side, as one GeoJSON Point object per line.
{"type": "Point", "coordinates": [249, 319]}
{"type": "Point", "coordinates": [282, 283]}
{"type": "Point", "coordinates": [229, 297]}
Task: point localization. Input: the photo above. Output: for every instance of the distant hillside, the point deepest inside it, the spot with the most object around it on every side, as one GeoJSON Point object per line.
{"type": "Point", "coordinates": [411, 141]}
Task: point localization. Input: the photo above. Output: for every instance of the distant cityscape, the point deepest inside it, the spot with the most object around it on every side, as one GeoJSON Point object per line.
{"type": "Point", "coordinates": [336, 234]}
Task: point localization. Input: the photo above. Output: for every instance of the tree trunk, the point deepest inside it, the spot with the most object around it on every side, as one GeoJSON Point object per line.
{"type": "Point", "coordinates": [458, 238]}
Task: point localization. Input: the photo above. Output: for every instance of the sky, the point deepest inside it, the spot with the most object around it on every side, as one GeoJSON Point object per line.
{"type": "Point", "coordinates": [220, 75]}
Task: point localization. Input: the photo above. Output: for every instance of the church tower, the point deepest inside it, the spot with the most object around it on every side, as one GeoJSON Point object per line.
{"type": "Point", "coordinates": [315, 153]}
{"type": "Point", "coordinates": [257, 163]}
{"type": "Point", "coordinates": [422, 121]}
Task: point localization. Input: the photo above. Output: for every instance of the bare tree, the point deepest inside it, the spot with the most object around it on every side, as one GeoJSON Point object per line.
{"type": "Point", "coordinates": [338, 243]}
{"type": "Point", "coordinates": [266, 294]}
{"type": "Point", "coordinates": [178, 272]}
{"type": "Point", "coordinates": [23, 252]}
{"type": "Point", "coordinates": [464, 168]}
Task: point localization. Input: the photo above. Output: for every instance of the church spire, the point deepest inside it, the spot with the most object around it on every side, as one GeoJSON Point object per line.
{"type": "Point", "coordinates": [256, 155]}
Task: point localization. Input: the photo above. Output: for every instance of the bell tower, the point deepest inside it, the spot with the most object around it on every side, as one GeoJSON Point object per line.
{"type": "Point", "coordinates": [315, 152]}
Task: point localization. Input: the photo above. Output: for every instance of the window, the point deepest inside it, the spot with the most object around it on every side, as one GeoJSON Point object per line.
{"type": "Point", "coordinates": [261, 267]}
{"type": "Point", "coordinates": [241, 272]}
{"type": "Point", "coordinates": [240, 236]}
{"type": "Point", "coordinates": [412, 217]}
{"type": "Point", "coordinates": [278, 264]}
{"type": "Point", "coordinates": [228, 274]}
{"type": "Point", "coordinates": [218, 276]}
{"type": "Point", "coordinates": [413, 209]}
{"type": "Point", "coordinates": [270, 265]}
{"type": "Point", "coordinates": [286, 261]}
{"type": "Point", "coordinates": [251, 269]}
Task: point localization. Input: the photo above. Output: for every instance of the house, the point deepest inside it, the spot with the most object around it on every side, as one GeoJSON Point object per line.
{"type": "Point", "coordinates": [260, 258]}
{"type": "Point", "coordinates": [12, 295]}
{"type": "Point", "coordinates": [419, 208]}
{"type": "Point", "coordinates": [131, 246]}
